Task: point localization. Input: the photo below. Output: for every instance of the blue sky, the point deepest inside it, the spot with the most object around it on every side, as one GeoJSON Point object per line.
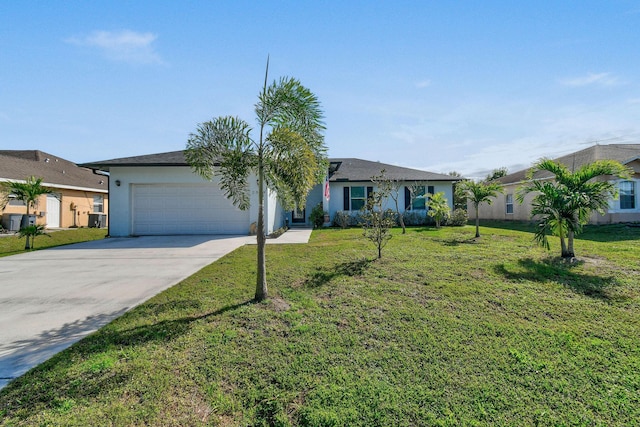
{"type": "Point", "coordinates": [438, 85]}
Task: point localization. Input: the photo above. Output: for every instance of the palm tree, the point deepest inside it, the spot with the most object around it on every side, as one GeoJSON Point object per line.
{"type": "Point", "coordinates": [550, 204]}
{"type": "Point", "coordinates": [480, 192]}
{"type": "Point", "coordinates": [566, 203]}
{"type": "Point", "coordinates": [288, 155]}
{"type": "Point", "coordinates": [438, 208]}
{"type": "Point", "coordinates": [28, 192]}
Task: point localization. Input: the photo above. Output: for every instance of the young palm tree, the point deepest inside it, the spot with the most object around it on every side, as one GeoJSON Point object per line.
{"type": "Point", "coordinates": [566, 204]}
{"type": "Point", "coordinates": [480, 192]}
{"type": "Point", "coordinates": [288, 155]}
{"type": "Point", "coordinates": [28, 192]}
{"type": "Point", "coordinates": [438, 208]}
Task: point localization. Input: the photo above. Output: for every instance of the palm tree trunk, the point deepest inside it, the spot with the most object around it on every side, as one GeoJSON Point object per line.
{"type": "Point", "coordinates": [27, 223]}
{"type": "Point", "coordinates": [261, 279]}
{"type": "Point", "coordinates": [570, 252]}
{"type": "Point", "coordinates": [563, 245]}
{"type": "Point", "coordinates": [477, 222]}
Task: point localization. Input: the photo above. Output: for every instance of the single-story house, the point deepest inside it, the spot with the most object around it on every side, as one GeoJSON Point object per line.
{"type": "Point", "coordinates": [79, 197]}
{"type": "Point", "coordinates": [349, 182]}
{"type": "Point", "coordinates": [624, 209]}
{"type": "Point", "coordinates": [160, 194]}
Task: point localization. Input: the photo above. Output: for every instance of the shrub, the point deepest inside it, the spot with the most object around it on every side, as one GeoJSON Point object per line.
{"type": "Point", "coordinates": [317, 216]}
{"type": "Point", "coordinates": [458, 218]}
{"type": "Point", "coordinates": [345, 219]}
{"type": "Point", "coordinates": [415, 218]}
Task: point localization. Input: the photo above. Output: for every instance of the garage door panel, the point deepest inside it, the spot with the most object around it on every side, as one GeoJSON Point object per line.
{"type": "Point", "coordinates": [185, 209]}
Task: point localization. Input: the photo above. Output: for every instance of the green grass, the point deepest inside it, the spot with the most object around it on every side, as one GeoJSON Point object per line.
{"type": "Point", "coordinates": [11, 245]}
{"type": "Point", "coordinates": [443, 330]}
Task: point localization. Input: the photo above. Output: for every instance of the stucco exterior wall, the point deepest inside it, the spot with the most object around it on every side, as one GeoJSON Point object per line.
{"type": "Point", "coordinates": [121, 195]}
{"type": "Point", "coordinates": [336, 202]}
{"type": "Point", "coordinates": [522, 212]}
{"type": "Point", "coordinates": [83, 201]}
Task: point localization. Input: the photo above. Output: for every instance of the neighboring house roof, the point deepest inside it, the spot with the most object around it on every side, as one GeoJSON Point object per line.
{"type": "Point", "coordinates": [623, 153]}
{"type": "Point", "coordinates": [18, 165]}
{"type": "Point", "coordinates": [341, 169]}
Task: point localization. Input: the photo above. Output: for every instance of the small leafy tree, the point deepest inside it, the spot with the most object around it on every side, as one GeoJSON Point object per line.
{"type": "Point", "coordinates": [31, 231]}
{"type": "Point", "coordinates": [438, 208]}
{"type": "Point", "coordinates": [288, 154]}
{"type": "Point", "coordinates": [28, 192]}
{"type": "Point", "coordinates": [480, 192]}
{"type": "Point", "coordinates": [376, 222]}
{"type": "Point", "coordinates": [392, 188]}
{"type": "Point", "coordinates": [565, 204]}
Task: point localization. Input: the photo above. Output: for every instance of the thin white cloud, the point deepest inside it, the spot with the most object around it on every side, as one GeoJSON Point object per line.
{"type": "Point", "coordinates": [601, 79]}
{"type": "Point", "coordinates": [124, 45]}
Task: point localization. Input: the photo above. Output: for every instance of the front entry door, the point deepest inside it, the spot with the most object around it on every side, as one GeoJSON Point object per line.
{"type": "Point", "coordinates": [298, 216]}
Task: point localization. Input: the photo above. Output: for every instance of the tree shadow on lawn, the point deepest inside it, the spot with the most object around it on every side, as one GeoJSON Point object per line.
{"type": "Point", "coordinates": [554, 269]}
{"type": "Point", "coordinates": [325, 275]}
{"type": "Point", "coordinates": [53, 380]}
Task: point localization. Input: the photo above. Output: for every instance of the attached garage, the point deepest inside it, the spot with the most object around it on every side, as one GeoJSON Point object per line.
{"type": "Point", "coordinates": [164, 209]}
{"type": "Point", "coordinates": [159, 194]}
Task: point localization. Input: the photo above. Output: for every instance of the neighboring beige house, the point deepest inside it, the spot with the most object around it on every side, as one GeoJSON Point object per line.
{"type": "Point", "coordinates": [79, 196]}
{"type": "Point", "coordinates": [625, 209]}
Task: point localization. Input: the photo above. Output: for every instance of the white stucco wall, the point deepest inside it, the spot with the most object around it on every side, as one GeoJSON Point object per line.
{"type": "Point", "coordinates": [336, 202]}
{"type": "Point", "coordinates": [120, 214]}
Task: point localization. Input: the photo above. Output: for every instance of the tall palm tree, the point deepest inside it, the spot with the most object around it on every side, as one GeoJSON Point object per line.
{"type": "Point", "coordinates": [288, 154]}
{"type": "Point", "coordinates": [27, 191]}
{"type": "Point", "coordinates": [480, 192]}
{"type": "Point", "coordinates": [566, 204]}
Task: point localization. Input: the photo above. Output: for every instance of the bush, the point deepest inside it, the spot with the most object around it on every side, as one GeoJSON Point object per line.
{"type": "Point", "coordinates": [345, 219]}
{"type": "Point", "coordinates": [317, 216]}
{"type": "Point", "coordinates": [415, 218]}
{"type": "Point", "coordinates": [458, 218]}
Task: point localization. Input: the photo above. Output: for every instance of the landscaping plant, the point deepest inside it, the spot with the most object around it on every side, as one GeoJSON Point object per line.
{"type": "Point", "coordinates": [287, 155]}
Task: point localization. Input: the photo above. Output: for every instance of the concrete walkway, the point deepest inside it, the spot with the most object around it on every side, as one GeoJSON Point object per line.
{"type": "Point", "coordinates": [51, 298]}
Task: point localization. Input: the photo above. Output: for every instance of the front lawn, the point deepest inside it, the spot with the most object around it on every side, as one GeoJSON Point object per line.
{"type": "Point", "coordinates": [12, 244]}
{"type": "Point", "coordinates": [443, 330]}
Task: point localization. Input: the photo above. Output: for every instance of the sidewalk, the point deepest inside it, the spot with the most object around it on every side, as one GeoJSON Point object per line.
{"type": "Point", "coordinates": [291, 236]}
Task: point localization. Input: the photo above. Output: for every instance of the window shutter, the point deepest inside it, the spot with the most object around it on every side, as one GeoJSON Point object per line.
{"type": "Point", "coordinates": [346, 200]}
{"type": "Point", "coordinates": [430, 190]}
{"type": "Point", "coordinates": [369, 192]}
{"type": "Point", "coordinates": [407, 198]}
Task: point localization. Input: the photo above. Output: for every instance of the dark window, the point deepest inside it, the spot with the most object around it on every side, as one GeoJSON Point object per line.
{"type": "Point", "coordinates": [358, 198]}
{"type": "Point", "coordinates": [627, 195]}
{"type": "Point", "coordinates": [419, 199]}
{"type": "Point", "coordinates": [509, 203]}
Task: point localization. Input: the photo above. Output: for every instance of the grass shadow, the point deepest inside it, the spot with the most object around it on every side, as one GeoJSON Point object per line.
{"type": "Point", "coordinates": [457, 242]}
{"type": "Point", "coordinates": [554, 269]}
{"type": "Point", "coordinates": [323, 276]}
{"type": "Point", "coordinates": [49, 381]}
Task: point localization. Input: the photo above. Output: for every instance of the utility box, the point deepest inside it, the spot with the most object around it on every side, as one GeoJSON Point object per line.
{"type": "Point", "coordinates": [97, 220]}
{"type": "Point", "coordinates": [11, 222]}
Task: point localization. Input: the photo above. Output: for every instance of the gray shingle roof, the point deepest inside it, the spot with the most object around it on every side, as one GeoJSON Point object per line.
{"type": "Point", "coordinates": [349, 169]}
{"type": "Point", "coordinates": [623, 153]}
{"type": "Point", "coordinates": [171, 158]}
{"type": "Point", "coordinates": [18, 165]}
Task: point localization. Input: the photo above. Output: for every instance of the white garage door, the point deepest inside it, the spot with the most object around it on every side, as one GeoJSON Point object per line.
{"type": "Point", "coordinates": [161, 209]}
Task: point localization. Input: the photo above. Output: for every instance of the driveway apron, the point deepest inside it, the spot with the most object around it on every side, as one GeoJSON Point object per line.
{"type": "Point", "coordinates": [52, 298]}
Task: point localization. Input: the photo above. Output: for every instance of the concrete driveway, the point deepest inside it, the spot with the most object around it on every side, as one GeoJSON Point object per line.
{"type": "Point", "coordinates": [52, 298]}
